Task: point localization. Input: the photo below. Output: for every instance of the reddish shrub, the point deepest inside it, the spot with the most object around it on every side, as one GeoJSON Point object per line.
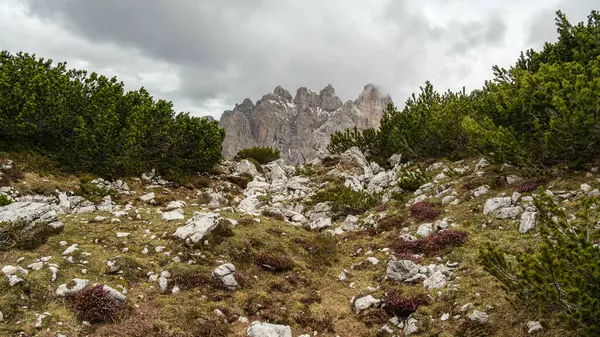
{"type": "Point", "coordinates": [432, 244]}
{"type": "Point", "coordinates": [94, 304]}
{"type": "Point", "coordinates": [398, 305]}
{"type": "Point", "coordinates": [425, 211]}
{"type": "Point", "coordinates": [528, 187]}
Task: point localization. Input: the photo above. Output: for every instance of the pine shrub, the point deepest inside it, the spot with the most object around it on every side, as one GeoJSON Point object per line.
{"type": "Point", "coordinates": [89, 123]}
{"type": "Point", "coordinates": [305, 170]}
{"type": "Point", "coordinates": [5, 200]}
{"type": "Point", "coordinates": [263, 155]}
{"type": "Point", "coordinates": [541, 112]}
{"type": "Point", "coordinates": [344, 200]}
{"type": "Point", "coordinates": [412, 180]}
{"type": "Point", "coordinates": [562, 277]}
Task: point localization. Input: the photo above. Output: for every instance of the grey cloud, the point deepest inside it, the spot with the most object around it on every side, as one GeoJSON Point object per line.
{"type": "Point", "coordinates": [542, 27]}
{"type": "Point", "coordinates": [228, 50]}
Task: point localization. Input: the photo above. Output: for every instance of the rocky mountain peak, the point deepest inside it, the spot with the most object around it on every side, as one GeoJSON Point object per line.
{"type": "Point", "coordinates": [299, 127]}
{"type": "Point", "coordinates": [281, 92]}
{"type": "Point", "coordinates": [372, 101]}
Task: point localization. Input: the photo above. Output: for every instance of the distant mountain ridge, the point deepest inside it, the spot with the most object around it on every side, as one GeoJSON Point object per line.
{"type": "Point", "coordinates": [299, 126]}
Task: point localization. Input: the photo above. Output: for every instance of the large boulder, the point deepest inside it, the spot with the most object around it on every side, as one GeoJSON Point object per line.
{"type": "Point", "coordinates": [37, 221]}
{"type": "Point", "coordinates": [354, 160]}
{"type": "Point", "coordinates": [198, 227]}
{"type": "Point", "coordinates": [320, 223]}
{"type": "Point", "coordinates": [246, 167]}
{"type": "Point", "coordinates": [250, 205]}
{"type": "Point", "coordinates": [401, 270]}
{"type": "Point", "coordinates": [380, 181]}
{"type": "Point", "coordinates": [493, 206]}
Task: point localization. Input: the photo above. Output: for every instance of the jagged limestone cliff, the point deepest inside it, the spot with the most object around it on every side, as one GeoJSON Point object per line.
{"type": "Point", "coordinates": [299, 126]}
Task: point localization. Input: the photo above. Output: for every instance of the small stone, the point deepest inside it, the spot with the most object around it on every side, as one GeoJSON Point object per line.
{"type": "Point", "coordinates": [343, 276]}
{"type": "Point", "coordinates": [258, 329]}
{"type": "Point", "coordinates": [70, 249]}
{"type": "Point", "coordinates": [364, 303]}
{"type": "Point", "coordinates": [75, 286]}
{"type": "Point", "coordinates": [373, 260]}
{"type": "Point", "coordinates": [425, 230]}
{"type": "Point", "coordinates": [411, 326]}
{"type": "Point", "coordinates": [175, 290]}
{"type": "Point", "coordinates": [448, 199]}
{"type": "Point", "coordinates": [99, 219]}
{"type": "Point", "coordinates": [481, 190]}
{"type": "Point", "coordinates": [511, 179]}
{"type": "Point", "coordinates": [145, 251]}
{"type": "Point", "coordinates": [36, 266]}
{"type": "Point", "coordinates": [163, 284]}
{"type": "Point", "coordinates": [445, 317]}
{"type": "Point", "coordinates": [479, 316]}
{"type": "Point", "coordinates": [148, 197]}
{"type": "Point", "coordinates": [122, 234]}
{"type": "Point", "coordinates": [534, 326]}
{"type": "Point", "coordinates": [226, 274]}
{"type": "Point", "coordinates": [481, 164]}
{"type": "Point", "coordinates": [466, 307]}
{"type": "Point", "coordinates": [11, 270]}
{"type": "Point", "coordinates": [243, 320]}
{"type": "Point", "coordinates": [14, 280]}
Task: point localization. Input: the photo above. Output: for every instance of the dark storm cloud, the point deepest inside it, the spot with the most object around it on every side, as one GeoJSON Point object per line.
{"type": "Point", "coordinates": [228, 50]}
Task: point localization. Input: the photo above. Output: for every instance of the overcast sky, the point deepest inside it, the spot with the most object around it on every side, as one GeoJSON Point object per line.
{"type": "Point", "coordinates": [207, 55]}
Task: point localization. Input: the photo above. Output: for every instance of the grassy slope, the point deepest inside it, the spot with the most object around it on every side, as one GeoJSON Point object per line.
{"type": "Point", "coordinates": [309, 297]}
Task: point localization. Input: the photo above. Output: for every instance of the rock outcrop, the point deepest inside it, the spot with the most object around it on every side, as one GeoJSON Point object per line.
{"type": "Point", "coordinates": [299, 126]}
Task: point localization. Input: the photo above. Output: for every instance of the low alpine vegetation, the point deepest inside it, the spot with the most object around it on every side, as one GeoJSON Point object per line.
{"type": "Point", "coordinates": [528, 187]}
{"type": "Point", "coordinates": [94, 304]}
{"type": "Point", "coordinates": [263, 155]}
{"type": "Point", "coordinates": [344, 200]}
{"type": "Point", "coordinates": [542, 111]}
{"type": "Point", "coordinates": [96, 126]}
{"type": "Point", "coordinates": [432, 244]}
{"type": "Point", "coordinates": [411, 180]}
{"type": "Point", "coordinates": [396, 303]}
{"type": "Point", "coordinates": [425, 211]}
{"type": "Point", "coordinates": [5, 200]}
{"type": "Point", "coordinates": [562, 277]}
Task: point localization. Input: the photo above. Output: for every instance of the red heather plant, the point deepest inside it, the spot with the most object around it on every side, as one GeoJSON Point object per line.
{"type": "Point", "coordinates": [528, 187]}
{"type": "Point", "coordinates": [432, 244]}
{"type": "Point", "coordinates": [396, 304]}
{"type": "Point", "coordinates": [94, 304]}
{"type": "Point", "coordinates": [425, 211]}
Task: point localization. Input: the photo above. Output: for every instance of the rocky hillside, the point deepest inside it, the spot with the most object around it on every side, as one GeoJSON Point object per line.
{"type": "Point", "coordinates": [335, 248]}
{"type": "Point", "coordinates": [299, 126]}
